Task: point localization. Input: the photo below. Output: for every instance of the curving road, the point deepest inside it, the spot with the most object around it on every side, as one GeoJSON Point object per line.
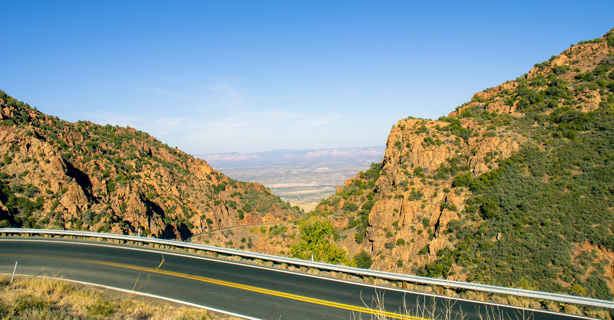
{"type": "Point", "coordinates": [248, 290]}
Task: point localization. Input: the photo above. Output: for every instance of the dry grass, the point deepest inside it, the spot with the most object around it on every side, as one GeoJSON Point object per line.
{"type": "Point", "coordinates": [571, 309]}
{"type": "Point", "coordinates": [50, 298]}
{"type": "Point", "coordinates": [553, 306]}
{"type": "Point", "coordinates": [599, 314]}
{"type": "Point", "coordinates": [442, 308]}
{"type": "Point", "coordinates": [426, 308]}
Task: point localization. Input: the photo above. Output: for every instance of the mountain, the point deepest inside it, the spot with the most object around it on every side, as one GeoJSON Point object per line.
{"type": "Point", "coordinates": [84, 176]}
{"type": "Point", "coordinates": [513, 188]}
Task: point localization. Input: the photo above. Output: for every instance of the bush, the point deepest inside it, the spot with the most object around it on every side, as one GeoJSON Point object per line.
{"type": "Point", "coordinates": [350, 207]}
{"type": "Point", "coordinates": [316, 240]}
{"type": "Point", "coordinates": [464, 180]}
{"type": "Point", "coordinates": [559, 70]}
{"type": "Point", "coordinates": [359, 237]}
{"type": "Point", "coordinates": [489, 209]}
{"type": "Point", "coordinates": [416, 195]}
{"type": "Point", "coordinates": [101, 307]}
{"type": "Point", "coordinates": [373, 173]}
{"type": "Point", "coordinates": [426, 222]}
{"type": "Point", "coordinates": [363, 260]}
{"type": "Point", "coordinates": [419, 172]}
{"type": "Point", "coordinates": [424, 250]}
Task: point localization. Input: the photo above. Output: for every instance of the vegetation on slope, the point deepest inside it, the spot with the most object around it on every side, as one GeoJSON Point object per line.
{"type": "Point", "coordinates": [84, 176]}
{"type": "Point", "coordinates": [540, 218]}
{"type": "Point", "coordinates": [514, 188]}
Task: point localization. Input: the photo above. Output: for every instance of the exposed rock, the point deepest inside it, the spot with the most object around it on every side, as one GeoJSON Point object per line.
{"type": "Point", "coordinates": [104, 178]}
{"type": "Point", "coordinates": [412, 200]}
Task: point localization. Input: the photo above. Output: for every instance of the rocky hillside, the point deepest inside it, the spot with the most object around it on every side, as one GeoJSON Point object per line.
{"type": "Point", "coordinates": [513, 188]}
{"type": "Point", "coordinates": [83, 176]}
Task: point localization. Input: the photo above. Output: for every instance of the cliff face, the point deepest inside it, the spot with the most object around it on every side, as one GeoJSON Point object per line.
{"type": "Point", "coordinates": [412, 202]}
{"type": "Point", "coordinates": [418, 198]}
{"type": "Point", "coordinates": [84, 176]}
{"type": "Point", "coordinates": [499, 191]}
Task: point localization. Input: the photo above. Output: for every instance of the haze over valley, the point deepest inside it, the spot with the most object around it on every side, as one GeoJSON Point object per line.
{"type": "Point", "coordinates": [301, 177]}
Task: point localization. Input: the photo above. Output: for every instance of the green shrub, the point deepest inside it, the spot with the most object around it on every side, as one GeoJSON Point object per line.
{"type": "Point", "coordinates": [416, 195]}
{"type": "Point", "coordinates": [359, 237]}
{"type": "Point", "coordinates": [363, 260]}
{"type": "Point", "coordinates": [464, 180]}
{"type": "Point", "coordinates": [316, 241]}
{"type": "Point", "coordinates": [423, 251]}
{"type": "Point", "coordinates": [350, 207]}
{"type": "Point", "coordinates": [101, 307]}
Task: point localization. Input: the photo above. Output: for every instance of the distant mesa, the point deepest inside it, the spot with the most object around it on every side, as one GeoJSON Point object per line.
{"type": "Point", "coordinates": [356, 156]}
{"type": "Point", "coordinates": [346, 153]}
{"type": "Point", "coordinates": [229, 157]}
{"type": "Point", "coordinates": [290, 157]}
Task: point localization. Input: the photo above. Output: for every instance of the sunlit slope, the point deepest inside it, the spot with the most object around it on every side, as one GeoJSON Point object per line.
{"type": "Point", "coordinates": [84, 176]}
{"type": "Point", "coordinates": [514, 188]}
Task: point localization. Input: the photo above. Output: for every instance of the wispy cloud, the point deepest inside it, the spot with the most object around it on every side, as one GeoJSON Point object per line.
{"type": "Point", "coordinates": [217, 115]}
{"type": "Point", "coordinates": [322, 120]}
{"type": "Point", "coordinates": [272, 119]}
{"type": "Point", "coordinates": [256, 130]}
{"type": "Point", "coordinates": [228, 92]}
{"type": "Point", "coordinates": [205, 94]}
{"type": "Point", "coordinates": [159, 125]}
{"type": "Point", "coordinates": [165, 92]}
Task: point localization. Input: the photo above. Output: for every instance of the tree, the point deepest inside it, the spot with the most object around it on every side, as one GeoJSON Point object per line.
{"type": "Point", "coordinates": [316, 241]}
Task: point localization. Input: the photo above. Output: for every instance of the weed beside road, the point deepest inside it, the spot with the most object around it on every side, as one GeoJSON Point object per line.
{"type": "Point", "coordinates": [51, 298]}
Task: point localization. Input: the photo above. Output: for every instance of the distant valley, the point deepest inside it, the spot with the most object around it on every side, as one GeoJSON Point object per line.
{"type": "Point", "coordinates": [301, 177]}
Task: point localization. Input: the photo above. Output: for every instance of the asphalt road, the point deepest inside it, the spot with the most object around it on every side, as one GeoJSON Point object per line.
{"type": "Point", "coordinates": [242, 289]}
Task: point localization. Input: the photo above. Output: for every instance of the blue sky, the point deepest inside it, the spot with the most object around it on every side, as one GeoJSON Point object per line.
{"type": "Point", "coordinates": [248, 76]}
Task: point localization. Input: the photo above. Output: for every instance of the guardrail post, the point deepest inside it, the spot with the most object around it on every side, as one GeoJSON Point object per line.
{"type": "Point", "coordinates": [14, 269]}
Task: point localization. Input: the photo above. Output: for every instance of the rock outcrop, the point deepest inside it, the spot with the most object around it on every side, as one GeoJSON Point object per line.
{"type": "Point", "coordinates": [407, 212]}
{"type": "Point", "coordinates": [84, 176]}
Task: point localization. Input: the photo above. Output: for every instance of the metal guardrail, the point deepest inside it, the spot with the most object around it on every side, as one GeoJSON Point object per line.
{"type": "Point", "coordinates": [331, 267]}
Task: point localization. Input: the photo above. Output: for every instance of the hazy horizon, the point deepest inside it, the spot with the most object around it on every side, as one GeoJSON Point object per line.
{"type": "Point", "coordinates": [294, 157]}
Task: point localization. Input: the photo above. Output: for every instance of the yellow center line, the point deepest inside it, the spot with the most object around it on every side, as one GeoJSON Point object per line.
{"type": "Point", "coordinates": [248, 288]}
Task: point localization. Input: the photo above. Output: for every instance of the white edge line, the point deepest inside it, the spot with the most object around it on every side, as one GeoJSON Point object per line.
{"type": "Point", "coordinates": [147, 295]}
{"type": "Point", "coordinates": [332, 268]}
{"type": "Point", "coordinates": [368, 285]}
